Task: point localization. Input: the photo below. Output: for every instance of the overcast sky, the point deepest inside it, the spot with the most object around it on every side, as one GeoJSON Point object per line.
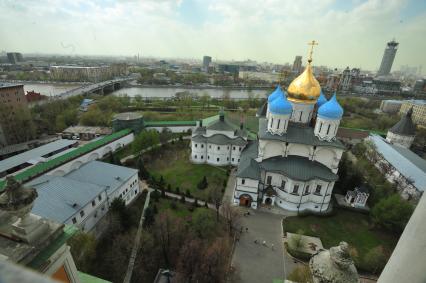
{"type": "Point", "coordinates": [350, 32]}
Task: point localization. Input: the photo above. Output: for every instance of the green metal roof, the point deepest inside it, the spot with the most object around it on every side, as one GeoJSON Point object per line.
{"type": "Point", "coordinates": [45, 254]}
{"type": "Point", "coordinates": [207, 121]}
{"type": "Point", "coordinates": [169, 123]}
{"type": "Point", "coordinates": [87, 278]}
{"type": "Point", "coordinates": [49, 165]}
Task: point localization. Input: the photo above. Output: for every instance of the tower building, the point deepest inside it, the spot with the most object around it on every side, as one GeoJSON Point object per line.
{"type": "Point", "coordinates": [388, 57]}
{"type": "Point", "coordinates": [293, 164]}
{"type": "Point", "coordinates": [297, 64]}
{"type": "Point", "coordinates": [403, 132]}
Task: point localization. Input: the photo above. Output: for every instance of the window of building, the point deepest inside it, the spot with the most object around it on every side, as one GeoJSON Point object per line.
{"type": "Point", "coordinates": [208, 157]}
{"type": "Point", "coordinates": [93, 203]}
{"type": "Point", "coordinates": [227, 147]}
{"type": "Point", "coordinates": [233, 148]}
{"type": "Point", "coordinates": [99, 197]}
{"type": "Point", "coordinates": [320, 127]}
{"type": "Point", "coordinates": [210, 146]}
{"type": "Point", "coordinates": [217, 159]}
{"type": "Point", "coordinates": [196, 145]}
{"type": "Point", "coordinates": [300, 117]}
{"type": "Point", "coordinates": [318, 190]}
{"type": "Point", "coordinates": [232, 159]}
{"type": "Point", "coordinates": [195, 156]}
{"type": "Point", "coordinates": [239, 148]}
{"type": "Point", "coordinates": [74, 220]}
{"type": "Point", "coordinates": [328, 129]}
{"type": "Point", "coordinates": [283, 184]}
{"type": "Point", "coordinates": [243, 181]}
{"type": "Point", "coordinates": [278, 126]}
{"type": "Point", "coordinates": [218, 148]}
{"type": "Point", "coordinates": [202, 157]}
{"type": "Point", "coordinates": [269, 180]}
{"type": "Point", "coordinates": [82, 213]}
{"type": "Point", "coordinates": [296, 189]}
{"type": "Point", "coordinates": [238, 160]}
{"type": "Point", "coordinates": [306, 190]}
{"type": "Point", "coordinates": [202, 145]}
{"type": "Point", "coordinates": [227, 159]}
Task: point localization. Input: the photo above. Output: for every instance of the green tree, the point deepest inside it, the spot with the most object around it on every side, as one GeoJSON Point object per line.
{"type": "Point", "coordinates": [165, 135]}
{"type": "Point", "coordinates": [83, 250]}
{"type": "Point", "coordinates": [203, 223]}
{"type": "Point", "coordinates": [392, 213]}
{"type": "Point", "coordinates": [375, 259]}
{"type": "Point", "coordinates": [202, 184]}
{"type": "Point", "coordinates": [145, 139]}
{"type": "Point", "coordinates": [143, 172]}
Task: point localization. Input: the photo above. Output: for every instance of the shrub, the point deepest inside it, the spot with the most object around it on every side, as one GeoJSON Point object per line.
{"type": "Point", "coordinates": [392, 213]}
{"type": "Point", "coordinates": [375, 259]}
{"type": "Point", "coordinates": [182, 199]}
{"type": "Point", "coordinates": [177, 190]}
{"type": "Point", "coordinates": [173, 205]}
{"type": "Point", "coordinates": [202, 184]}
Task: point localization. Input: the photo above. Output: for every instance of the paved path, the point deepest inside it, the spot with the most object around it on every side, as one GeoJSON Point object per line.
{"type": "Point", "coordinates": [136, 243]}
{"type": "Point", "coordinates": [257, 263]}
{"type": "Point", "coordinates": [229, 190]}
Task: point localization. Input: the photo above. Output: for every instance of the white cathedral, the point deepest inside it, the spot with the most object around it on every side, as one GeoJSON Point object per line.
{"type": "Point", "coordinates": [294, 161]}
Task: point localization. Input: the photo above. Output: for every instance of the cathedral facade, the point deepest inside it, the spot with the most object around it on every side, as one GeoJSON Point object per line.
{"type": "Point", "coordinates": [293, 163]}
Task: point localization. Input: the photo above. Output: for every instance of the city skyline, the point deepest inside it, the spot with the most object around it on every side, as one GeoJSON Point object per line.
{"type": "Point", "coordinates": [238, 30]}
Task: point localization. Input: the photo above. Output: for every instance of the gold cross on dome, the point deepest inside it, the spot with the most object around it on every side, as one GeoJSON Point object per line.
{"type": "Point", "coordinates": [312, 44]}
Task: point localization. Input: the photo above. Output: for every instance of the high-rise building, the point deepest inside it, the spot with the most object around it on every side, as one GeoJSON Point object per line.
{"type": "Point", "coordinates": [206, 63]}
{"type": "Point", "coordinates": [15, 57]}
{"type": "Point", "coordinates": [388, 57]}
{"type": "Point", "coordinates": [297, 64]}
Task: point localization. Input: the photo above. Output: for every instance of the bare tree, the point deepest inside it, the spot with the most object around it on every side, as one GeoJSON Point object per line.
{"type": "Point", "coordinates": [216, 198]}
{"type": "Point", "coordinates": [232, 216]}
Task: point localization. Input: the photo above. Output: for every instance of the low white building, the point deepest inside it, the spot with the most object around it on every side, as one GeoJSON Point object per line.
{"type": "Point", "coordinates": [400, 166]}
{"type": "Point", "coordinates": [219, 143]}
{"type": "Point", "coordinates": [83, 196]}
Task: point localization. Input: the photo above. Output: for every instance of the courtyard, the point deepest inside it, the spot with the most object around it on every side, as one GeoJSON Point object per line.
{"type": "Point", "coordinates": [258, 262]}
{"type": "Point", "coordinates": [172, 162]}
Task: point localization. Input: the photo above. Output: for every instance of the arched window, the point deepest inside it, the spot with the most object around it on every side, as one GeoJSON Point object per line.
{"type": "Point", "coordinates": [278, 125]}
{"type": "Point", "coordinates": [328, 129]}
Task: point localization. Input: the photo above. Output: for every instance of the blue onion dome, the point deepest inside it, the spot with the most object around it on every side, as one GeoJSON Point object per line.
{"type": "Point", "coordinates": [280, 105]}
{"type": "Point", "coordinates": [321, 99]}
{"type": "Point", "coordinates": [277, 92]}
{"type": "Point", "coordinates": [331, 109]}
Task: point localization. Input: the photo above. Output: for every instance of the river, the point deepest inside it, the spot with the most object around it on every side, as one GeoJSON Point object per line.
{"type": "Point", "coordinates": [149, 92]}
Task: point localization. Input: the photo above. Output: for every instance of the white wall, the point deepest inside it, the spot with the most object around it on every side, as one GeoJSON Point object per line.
{"type": "Point", "coordinates": [326, 129]}
{"type": "Point", "coordinates": [404, 141]}
{"type": "Point", "coordinates": [302, 113]}
{"type": "Point", "coordinates": [99, 153]}
{"type": "Point", "coordinates": [214, 132]}
{"type": "Point", "coordinates": [209, 153]}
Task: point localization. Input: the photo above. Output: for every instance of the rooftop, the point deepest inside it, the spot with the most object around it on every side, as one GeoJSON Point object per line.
{"type": "Point", "coordinates": [7, 85]}
{"type": "Point", "coordinates": [59, 197]}
{"type": "Point", "coordinates": [404, 160]}
{"type": "Point", "coordinates": [103, 174]}
{"type": "Point", "coordinates": [44, 167]}
{"type": "Point", "coordinates": [35, 155]}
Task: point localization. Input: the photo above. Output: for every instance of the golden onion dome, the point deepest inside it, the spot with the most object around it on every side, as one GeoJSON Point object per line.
{"type": "Point", "coordinates": [305, 88]}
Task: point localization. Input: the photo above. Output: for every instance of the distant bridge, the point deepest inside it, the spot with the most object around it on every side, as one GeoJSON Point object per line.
{"type": "Point", "coordinates": [99, 88]}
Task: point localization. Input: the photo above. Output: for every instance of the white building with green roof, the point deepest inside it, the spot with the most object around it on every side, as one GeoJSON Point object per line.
{"type": "Point", "coordinates": [218, 143]}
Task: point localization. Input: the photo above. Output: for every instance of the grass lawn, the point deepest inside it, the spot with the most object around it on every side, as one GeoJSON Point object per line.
{"type": "Point", "coordinates": [172, 162]}
{"type": "Point", "coordinates": [347, 226]}
{"type": "Point", "coordinates": [181, 210]}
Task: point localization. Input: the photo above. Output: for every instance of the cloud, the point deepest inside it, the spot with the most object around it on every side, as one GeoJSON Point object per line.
{"type": "Point", "coordinates": [350, 33]}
